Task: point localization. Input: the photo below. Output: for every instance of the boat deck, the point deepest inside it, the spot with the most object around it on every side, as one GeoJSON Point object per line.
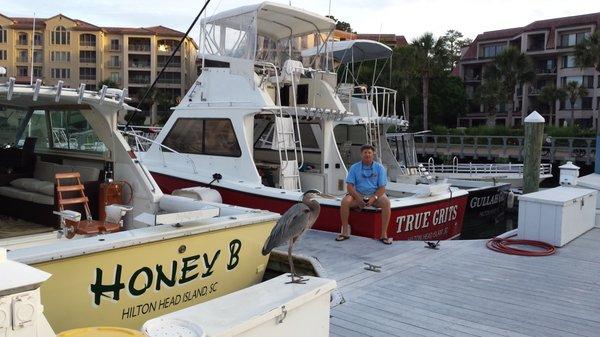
{"type": "Point", "coordinates": [462, 289]}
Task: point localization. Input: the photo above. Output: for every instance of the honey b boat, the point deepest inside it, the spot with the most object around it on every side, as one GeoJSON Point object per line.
{"type": "Point", "coordinates": [166, 253]}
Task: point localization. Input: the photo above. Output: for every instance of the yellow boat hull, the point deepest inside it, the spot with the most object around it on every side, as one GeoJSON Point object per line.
{"type": "Point", "coordinates": [124, 287]}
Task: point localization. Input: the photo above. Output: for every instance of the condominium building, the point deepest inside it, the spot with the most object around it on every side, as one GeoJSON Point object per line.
{"type": "Point", "coordinates": [74, 51]}
{"type": "Point", "coordinates": [550, 44]}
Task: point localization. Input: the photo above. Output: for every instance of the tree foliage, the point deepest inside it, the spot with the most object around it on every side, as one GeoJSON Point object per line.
{"type": "Point", "coordinates": [454, 41]}
{"type": "Point", "coordinates": [587, 53]}
{"type": "Point", "coordinates": [341, 25]}
{"type": "Point", "coordinates": [549, 95]}
{"type": "Point", "coordinates": [108, 82]}
{"type": "Point", "coordinates": [574, 91]}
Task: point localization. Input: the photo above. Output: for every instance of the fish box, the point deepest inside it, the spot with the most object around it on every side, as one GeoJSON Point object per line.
{"type": "Point", "coordinates": [272, 308]}
{"type": "Point", "coordinates": [557, 215]}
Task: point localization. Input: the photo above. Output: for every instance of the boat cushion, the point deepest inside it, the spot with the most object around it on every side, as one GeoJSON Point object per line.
{"type": "Point", "coordinates": [44, 171]}
{"type": "Point", "coordinates": [16, 193]}
{"type": "Point", "coordinates": [34, 185]}
{"type": "Point", "coordinates": [42, 199]}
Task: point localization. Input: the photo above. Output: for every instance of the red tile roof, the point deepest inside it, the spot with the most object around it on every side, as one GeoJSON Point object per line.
{"type": "Point", "coordinates": [40, 23]}
{"type": "Point", "coordinates": [550, 25]}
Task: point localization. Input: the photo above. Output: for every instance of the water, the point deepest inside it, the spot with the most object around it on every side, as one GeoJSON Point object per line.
{"type": "Point", "coordinates": [491, 227]}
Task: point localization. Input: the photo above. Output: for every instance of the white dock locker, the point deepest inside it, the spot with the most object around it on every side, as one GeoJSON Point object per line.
{"type": "Point", "coordinates": [268, 309]}
{"type": "Point", "coordinates": [557, 215]}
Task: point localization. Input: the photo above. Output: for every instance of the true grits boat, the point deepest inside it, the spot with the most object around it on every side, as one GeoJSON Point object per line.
{"type": "Point", "coordinates": [170, 252]}
{"type": "Point", "coordinates": [374, 120]}
{"type": "Point", "coordinates": [258, 127]}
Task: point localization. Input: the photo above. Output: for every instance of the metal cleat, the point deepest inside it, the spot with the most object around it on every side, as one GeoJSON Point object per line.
{"type": "Point", "coordinates": [372, 267]}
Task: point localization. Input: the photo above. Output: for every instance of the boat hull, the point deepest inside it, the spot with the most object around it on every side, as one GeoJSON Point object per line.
{"type": "Point", "coordinates": [439, 220]}
{"type": "Point", "coordinates": [125, 287]}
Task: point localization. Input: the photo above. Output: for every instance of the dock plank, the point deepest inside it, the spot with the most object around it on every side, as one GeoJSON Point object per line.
{"type": "Point", "coordinates": [462, 289]}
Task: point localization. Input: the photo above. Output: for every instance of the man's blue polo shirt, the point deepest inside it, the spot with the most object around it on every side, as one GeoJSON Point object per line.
{"type": "Point", "coordinates": [367, 178]}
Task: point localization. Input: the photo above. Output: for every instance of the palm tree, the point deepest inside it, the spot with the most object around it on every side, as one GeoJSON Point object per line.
{"type": "Point", "coordinates": [574, 91]}
{"type": "Point", "coordinates": [513, 68]}
{"type": "Point", "coordinates": [489, 94]}
{"type": "Point", "coordinates": [405, 73]}
{"type": "Point", "coordinates": [587, 53]}
{"type": "Point", "coordinates": [431, 58]}
{"type": "Point", "coordinates": [108, 82]}
{"type": "Point", "coordinates": [549, 95]}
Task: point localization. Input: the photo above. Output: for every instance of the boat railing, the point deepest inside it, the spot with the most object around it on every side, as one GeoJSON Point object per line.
{"type": "Point", "coordinates": [581, 149]}
{"type": "Point", "coordinates": [148, 132]}
{"type": "Point", "coordinates": [139, 137]}
{"type": "Point", "coordinates": [480, 168]}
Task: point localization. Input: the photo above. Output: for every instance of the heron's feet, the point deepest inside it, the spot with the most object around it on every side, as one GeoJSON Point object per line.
{"type": "Point", "coordinates": [297, 279]}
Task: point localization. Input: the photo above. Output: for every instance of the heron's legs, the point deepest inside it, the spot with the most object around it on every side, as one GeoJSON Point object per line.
{"type": "Point", "coordinates": [295, 277]}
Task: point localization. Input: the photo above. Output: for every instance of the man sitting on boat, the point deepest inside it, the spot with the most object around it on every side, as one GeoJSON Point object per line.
{"type": "Point", "coordinates": [365, 184]}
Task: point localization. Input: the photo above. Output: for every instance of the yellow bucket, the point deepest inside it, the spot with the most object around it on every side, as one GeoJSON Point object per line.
{"type": "Point", "coordinates": [105, 331]}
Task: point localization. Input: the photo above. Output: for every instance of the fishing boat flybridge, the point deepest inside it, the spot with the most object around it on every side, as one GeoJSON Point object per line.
{"type": "Point", "coordinates": [374, 121]}
{"type": "Point", "coordinates": [258, 126]}
{"type": "Point", "coordinates": [168, 252]}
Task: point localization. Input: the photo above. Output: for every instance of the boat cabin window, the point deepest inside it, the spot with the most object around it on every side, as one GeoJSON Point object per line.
{"type": "Point", "coordinates": [71, 131]}
{"type": "Point", "coordinates": [208, 136]}
{"type": "Point", "coordinates": [14, 124]}
{"type": "Point", "coordinates": [307, 134]}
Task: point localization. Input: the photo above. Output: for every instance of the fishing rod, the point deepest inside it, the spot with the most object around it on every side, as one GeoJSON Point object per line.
{"type": "Point", "coordinates": [166, 64]}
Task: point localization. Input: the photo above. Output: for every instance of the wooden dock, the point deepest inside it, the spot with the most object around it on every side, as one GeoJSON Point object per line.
{"type": "Point", "coordinates": [462, 289]}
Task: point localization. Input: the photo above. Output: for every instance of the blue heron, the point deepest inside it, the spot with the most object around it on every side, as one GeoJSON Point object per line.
{"type": "Point", "coordinates": [291, 225]}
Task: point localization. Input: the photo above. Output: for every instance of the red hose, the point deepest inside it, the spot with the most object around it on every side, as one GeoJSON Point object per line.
{"type": "Point", "coordinates": [503, 246]}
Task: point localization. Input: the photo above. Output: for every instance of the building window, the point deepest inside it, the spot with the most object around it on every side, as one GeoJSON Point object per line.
{"type": "Point", "coordinates": [114, 44]}
{"type": "Point", "coordinates": [569, 61]}
{"type": "Point", "coordinates": [4, 75]}
{"type": "Point", "coordinates": [582, 103]}
{"type": "Point", "coordinates": [87, 40]}
{"type": "Point", "coordinates": [22, 71]}
{"type": "Point", "coordinates": [38, 72]}
{"type": "Point", "coordinates": [87, 56]}
{"type": "Point", "coordinates": [189, 135]}
{"type": "Point", "coordinates": [3, 55]}
{"type": "Point", "coordinates": [114, 61]}
{"type": "Point", "coordinates": [170, 77]}
{"type": "Point", "coordinates": [60, 73]}
{"type": "Point", "coordinates": [572, 39]}
{"type": "Point", "coordinates": [2, 35]}
{"type": "Point", "coordinates": [22, 55]}
{"type": "Point", "coordinates": [60, 35]}
{"type": "Point", "coordinates": [60, 56]}
{"type": "Point", "coordinates": [87, 73]}
{"type": "Point", "coordinates": [22, 39]}
{"type": "Point", "coordinates": [38, 39]}
{"type": "Point", "coordinates": [114, 77]}
{"type": "Point", "coordinates": [38, 56]}
{"type": "Point", "coordinates": [585, 81]}
{"type": "Point", "coordinates": [493, 50]}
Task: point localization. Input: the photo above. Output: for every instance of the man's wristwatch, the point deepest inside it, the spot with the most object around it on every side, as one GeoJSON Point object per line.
{"type": "Point", "coordinates": [376, 197]}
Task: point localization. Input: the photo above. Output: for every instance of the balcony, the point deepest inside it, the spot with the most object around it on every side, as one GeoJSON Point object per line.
{"type": "Point", "coordinates": [139, 65]}
{"type": "Point", "coordinates": [171, 65]}
{"type": "Point", "coordinates": [22, 59]}
{"type": "Point", "coordinates": [87, 60]}
{"type": "Point", "coordinates": [536, 48]}
{"type": "Point", "coordinates": [139, 80]}
{"type": "Point", "coordinates": [533, 91]}
{"type": "Point", "coordinates": [145, 48]}
{"type": "Point", "coordinates": [473, 78]}
{"type": "Point", "coordinates": [545, 71]}
{"type": "Point", "coordinates": [113, 64]}
{"type": "Point", "coordinates": [169, 81]}
{"type": "Point", "coordinates": [114, 48]}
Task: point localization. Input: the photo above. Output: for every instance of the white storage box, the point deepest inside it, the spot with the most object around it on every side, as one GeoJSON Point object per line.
{"type": "Point", "coordinates": [557, 215]}
{"type": "Point", "coordinates": [269, 309]}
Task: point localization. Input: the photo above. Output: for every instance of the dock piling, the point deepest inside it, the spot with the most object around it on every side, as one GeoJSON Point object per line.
{"type": "Point", "coordinates": [534, 134]}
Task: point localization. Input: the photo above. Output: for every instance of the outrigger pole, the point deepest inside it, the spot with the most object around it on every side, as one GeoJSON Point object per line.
{"type": "Point", "coordinates": [167, 63]}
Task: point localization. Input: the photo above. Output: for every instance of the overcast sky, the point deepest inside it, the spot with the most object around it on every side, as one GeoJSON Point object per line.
{"type": "Point", "coordinates": [403, 17]}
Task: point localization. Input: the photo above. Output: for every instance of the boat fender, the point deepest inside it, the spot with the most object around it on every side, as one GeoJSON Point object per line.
{"type": "Point", "coordinates": [510, 200]}
{"type": "Point", "coordinates": [200, 194]}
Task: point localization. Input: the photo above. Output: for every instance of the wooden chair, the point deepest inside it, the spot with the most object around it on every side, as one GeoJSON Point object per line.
{"type": "Point", "coordinates": [71, 221]}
